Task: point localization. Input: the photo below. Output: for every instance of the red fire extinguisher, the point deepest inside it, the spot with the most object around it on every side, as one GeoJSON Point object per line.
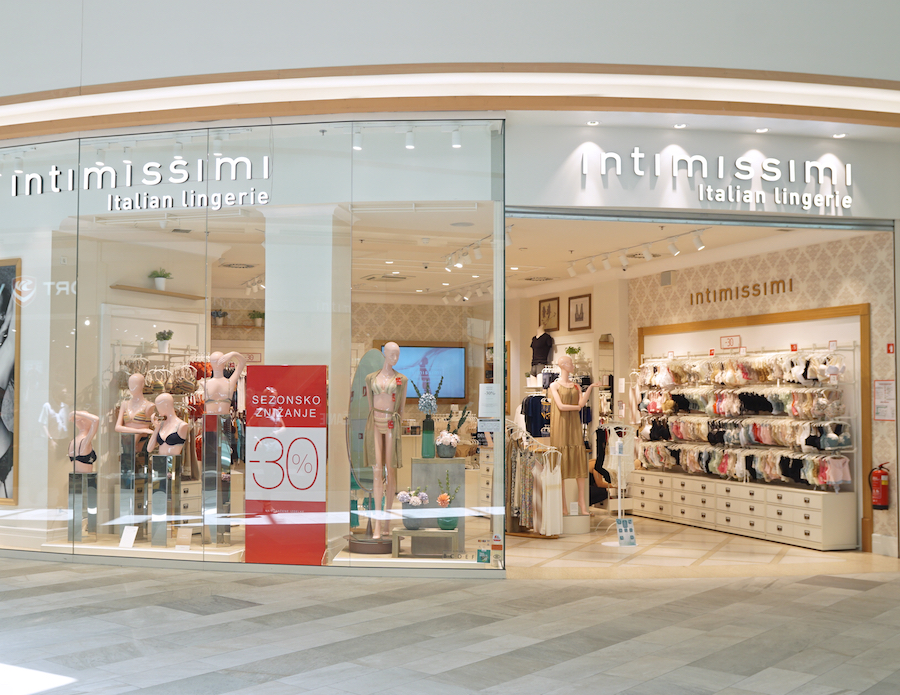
{"type": "Point", "coordinates": [880, 484]}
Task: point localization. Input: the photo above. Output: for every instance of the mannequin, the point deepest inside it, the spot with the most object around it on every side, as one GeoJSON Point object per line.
{"type": "Point", "coordinates": [541, 345]}
{"type": "Point", "coordinates": [566, 400]}
{"type": "Point", "coordinates": [219, 390]}
{"type": "Point", "coordinates": [136, 414]}
{"type": "Point", "coordinates": [171, 432]}
{"type": "Point", "coordinates": [387, 397]}
{"type": "Point", "coordinates": [81, 450]}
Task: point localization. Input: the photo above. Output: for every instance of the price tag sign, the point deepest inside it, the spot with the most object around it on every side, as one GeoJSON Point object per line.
{"type": "Point", "coordinates": [671, 354]}
{"type": "Point", "coordinates": [832, 345]}
{"type": "Point", "coordinates": [727, 342]}
{"type": "Point", "coordinates": [793, 347]}
{"type": "Point", "coordinates": [712, 352]}
{"type": "Point", "coordinates": [743, 351]}
{"type": "Point", "coordinates": [287, 439]}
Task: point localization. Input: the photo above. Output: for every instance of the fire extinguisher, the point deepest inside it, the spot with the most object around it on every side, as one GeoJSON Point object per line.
{"type": "Point", "coordinates": [880, 484]}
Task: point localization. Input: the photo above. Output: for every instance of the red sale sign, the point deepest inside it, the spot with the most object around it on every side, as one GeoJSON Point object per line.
{"type": "Point", "coordinates": [287, 438]}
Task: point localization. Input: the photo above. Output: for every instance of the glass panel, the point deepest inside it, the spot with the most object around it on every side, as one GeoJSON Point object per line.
{"type": "Point", "coordinates": [37, 210]}
{"type": "Point", "coordinates": [426, 217]}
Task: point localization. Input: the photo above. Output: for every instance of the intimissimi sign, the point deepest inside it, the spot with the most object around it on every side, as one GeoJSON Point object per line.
{"type": "Point", "coordinates": [718, 295]}
{"type": "Point", "coordinates": [178, 171]}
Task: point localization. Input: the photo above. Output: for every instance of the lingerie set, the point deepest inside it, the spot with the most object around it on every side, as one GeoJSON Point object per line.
{"type": "Point", "coordinates": [396, 387]}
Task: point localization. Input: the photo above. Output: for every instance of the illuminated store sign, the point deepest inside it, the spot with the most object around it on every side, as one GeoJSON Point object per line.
{"type": "Point", "coordinates": [178, 171]}
{"type": "Point", "coordinates": [744, 180]}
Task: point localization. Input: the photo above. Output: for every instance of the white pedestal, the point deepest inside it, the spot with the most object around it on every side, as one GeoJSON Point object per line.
{"type": "Point", "coordinates": [576, 524]}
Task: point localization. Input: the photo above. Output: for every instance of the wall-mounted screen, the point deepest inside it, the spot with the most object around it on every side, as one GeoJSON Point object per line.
{"type": "Point", "coordinates": [427, 364]}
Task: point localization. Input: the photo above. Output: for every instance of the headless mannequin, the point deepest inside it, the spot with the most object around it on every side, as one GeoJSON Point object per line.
{"type": "Point", "coordinates": [540, 358]}
{"type": "Point", "coordinates": [136, 414]}
{"type": "Point", "coordinates": [86, 425]}
{"type": "Point", "coordinates": [218, 389]}
{"type": "Point", "coordinates": [166, 427]}
{"type": "Point", "coordinates": [566, 367]}
{"type": "Point", "coordinates": [384, 474]}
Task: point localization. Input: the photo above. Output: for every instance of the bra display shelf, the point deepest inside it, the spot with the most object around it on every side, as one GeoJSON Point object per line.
{"type": "Point", "coordinates": [789, 512]}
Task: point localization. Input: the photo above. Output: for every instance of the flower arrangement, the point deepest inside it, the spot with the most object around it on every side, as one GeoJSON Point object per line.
{"type": "Point", "coordinates": [413, 498]}
{"type": "Point", "coordinates": [428, 401]}
{"type": "Point", "coordinates": [218, 313]}
{"type": "Point", "coordinates": [446, 438]}
{"type": "Point", "coordinates": [160, 273]}
{"type": "Point", "coordinates": [446, 497]}
{"type": "Point", "coordinates": [164, 335]}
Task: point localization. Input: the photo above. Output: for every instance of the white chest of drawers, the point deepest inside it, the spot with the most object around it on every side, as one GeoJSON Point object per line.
{"type": "Point", "coordinates": [809, 518]}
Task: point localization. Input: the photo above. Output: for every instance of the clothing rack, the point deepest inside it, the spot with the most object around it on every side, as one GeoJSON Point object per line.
{"type": "Point", "coordinates": [514, 431]}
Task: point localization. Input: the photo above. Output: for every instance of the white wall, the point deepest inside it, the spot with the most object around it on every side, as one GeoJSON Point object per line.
{"type": "Point", "coordinates": [67, 43]}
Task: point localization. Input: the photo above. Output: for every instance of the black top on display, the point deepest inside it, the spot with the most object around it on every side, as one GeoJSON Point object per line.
{"type": "Point", "coordinates": [540, 349]}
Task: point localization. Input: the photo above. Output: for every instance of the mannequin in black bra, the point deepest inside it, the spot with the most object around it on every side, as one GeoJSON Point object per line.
{"type": "Point", "coordinates": [81, 450]}
{"type": "Point", "coordinates": [170, 432]}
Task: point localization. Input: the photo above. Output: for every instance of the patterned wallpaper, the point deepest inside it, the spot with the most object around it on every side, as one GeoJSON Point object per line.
{"type": "Point", "coordinates": [858, 270]}
{"type": "Point", "coordinates": [237, 319]}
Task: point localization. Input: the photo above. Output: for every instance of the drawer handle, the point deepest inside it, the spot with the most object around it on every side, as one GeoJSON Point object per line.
{"type": "Point", "coordinates": [778, 512]}
{"type": "Point", "coordinates": [752, 508]}
{"type": "Point", "coordinates": [728, 519]}
{"type": "Point", "coordinates": [778, 496]}
{"type": "Point", "coordinates": [806, 516]}
{"type": "Point", "coordinates": [186, 491]}
{"type": "Point", "coordinates": [702, 500]}
{"type": "Point", "coordinates": [682, 483]}
{"type": "Point", "coordinates": [682, 511]}
{"type": "Point", "coordinates": [643, 505]}
{"type": "Point", "coordinates": [660, 507]}
{"type": "Point", "coordinates": [682, 498]}
{"type": "Point", "coordinates": [661, 495]}
{"type": "Point", "coordinates": [185, 505]}
{"type": "Point", "coordinates": [727, 489]}
{"type": "Point", "coordinates": [642, 479]}
{"type": "Point", "coordinates": [728, 505]}
{"type": "Point", "coordinates": [806, 533]}
{"type": "Point", "coordinates": [752, 492]}
{"type": "Point", "coordinates": [806, 500]}
{"type": "Point", "coordinates": [661, 481]}
{"type": "Point", "coordinates": [703, 487]}
{"type": "Point", "coordinates": [642, 492]}
{"type": "Point", "coordinates": [753, 523]}
{"type": "Point", "coordinates": [779, 528]}
{"type": "Point", "coordinates": [702, 515]}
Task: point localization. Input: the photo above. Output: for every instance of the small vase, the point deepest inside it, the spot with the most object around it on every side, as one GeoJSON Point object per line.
{"type": "Point", "coordinates": [160, 283]}
{"type": "Point", "coordinates": [219, 320]}
{"type": "Point", "coordinates": [428, 437]}
{"type": "Point", "coordinates": [447, 523]}
{"type": "Point", "coordinates": [162, 346]}
{"type": "Point", "coordinates": [257, 323]}
{"type": "Point", "coordinates": [445, 451]}
{"type": "Point", "coordinates": [411, 522]}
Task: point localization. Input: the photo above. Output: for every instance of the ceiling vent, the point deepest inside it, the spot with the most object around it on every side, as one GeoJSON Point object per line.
{"type": "Point", "coordinates": [385, 278]}
{"type": "Point", "coordinates": [179, 230]}
{"type": "Point", "coordinates": [539, 278]}
{"type": "Point", "coordinates": [239, 266]}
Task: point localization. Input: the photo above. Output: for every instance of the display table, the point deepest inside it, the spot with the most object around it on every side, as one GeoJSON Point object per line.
{"type": "Point", "coordinates": [430, 474]}
{"type": "Point", "coordinates": [431, 533]}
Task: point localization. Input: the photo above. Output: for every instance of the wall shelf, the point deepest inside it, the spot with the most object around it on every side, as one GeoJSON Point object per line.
{"type": "Point", "coordinates": [237, 325]}
{"type": "Point", "coordinates": [164, 293]}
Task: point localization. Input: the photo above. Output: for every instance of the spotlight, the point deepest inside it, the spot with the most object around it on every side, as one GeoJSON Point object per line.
{"type": "Point", "coordinates": [838, 136]}
{"type": "Point", "coordinates": [466, 296]}
{"type": "Point", "coordinates": [591, 267]}
{"type": "Point", "coordinates": [477, 252]}
{"type": "Point", "coordinates": [490, 289]}
{"type": "Point", "coordinates": [647, 253]}
{"type": "Point", "coordinates": [454, 139]}
{"type": "Point", "coordinates": [178, 150]}
{"type": "Point", "coordinates": [449, 263]}
{"type": "Point", "coordinates": [762, 130]}
{"type": "Point", "coordinates": [458, 262]}
{"type": "Point", "coordinates": [357, 140]}
{"type": "Point", "coordinates": [606, 264]}
{"type": "Point", "coordinates": [217, 147]}
{"type": "Point", "coordinates": [593, 123]}
{"type": "Point", "coordinates": [698, 241]}
{"type": "Point", "coordinates": [679, 126]}
{"type": "Point", "coordinates": [623, 259]}
{"type": "Point", "coordinates": [256, 288]}
{"type": "Point", "coordinates": [248, 291]}
{"type": "Point", "coordinates": [20, 165]}
{"type": "Point", "coordinates": [445, 299]}
{"type": "Point", "coordinates": [674, 250]}
{"type": "Point", "coordinates": [508, 238]}
{"type": "Point", "coordinates": [466, 258]}
{"type": "Point", "coordinates": [101, 157]}
{"type": "Point", "coordinates": [410, 140]}
{"type": "Point", "coordinates": [571, 270]}
{"type": "Point", "coordinates": [262, 286]}
{"type": "Point", "coordinates": [457, 297]}
{"type": "Point", "coordinates": [479, 292]}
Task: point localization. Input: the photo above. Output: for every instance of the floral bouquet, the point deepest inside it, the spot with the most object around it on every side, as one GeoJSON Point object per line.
{"type": "Point", "coordinates": [447, 438]}
{"type": "Point", "coordinates": [428, 401]}
{"type": "Point", "coordinates": [446, 497]}
{"type": "Point", "coordinates": [413, 498]}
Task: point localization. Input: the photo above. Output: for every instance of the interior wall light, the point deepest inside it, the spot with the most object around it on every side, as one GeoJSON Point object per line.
{"type": "Point", "coordinates": [458, 262]}
{"type": "Point", "coordinates": [762, 130]}
{"type": "Point", "coordinates": [673, 249]}
{"type": "Point", "coordinates": [593, 123]}
{"type": "Point", "coordinates": [262, 286]}
{"type": "Point", "coordinates": [698, 241]}
{"type": "Point", "coordinates": [648, 254]}
{"type": "Point", "coordinates": [679, 126]}
{"type": "Point", "coordinates": [217, 147]}
{"type": "Point", "coordinates": [839, 135]}
{"type": "Point", "coordinates": [455, 139]}
{"type": "Point", "coordinates": [591, 267]}
{"type": "Point", "coordinates": [466, 296]}
{"type": "Point", "coordinates": [477, 252]}
{"type": "Point", "coordinates": [357, 141]}
{"type": "Point", "coordinates": [623, 259]}
{"type": "Point", "coordinates": [410, 140]}
{"type": "Point", "coordinates": [571, 270]}
{"type": "Point", "coordinates": [606, 264]}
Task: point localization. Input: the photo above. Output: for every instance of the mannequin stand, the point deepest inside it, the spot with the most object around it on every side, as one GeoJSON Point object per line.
{"type": "Point", "coordinates": [161, 497]}
{"type": "Point", "coordinates": [216, 502]}
{"type": "Point", "coordinates": [82, 505]}
{"type": "Point", "coordinates": [132, 485]}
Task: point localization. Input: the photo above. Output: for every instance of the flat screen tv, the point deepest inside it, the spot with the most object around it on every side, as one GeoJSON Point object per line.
{"type": "Point", "coordinates": [426, 364]}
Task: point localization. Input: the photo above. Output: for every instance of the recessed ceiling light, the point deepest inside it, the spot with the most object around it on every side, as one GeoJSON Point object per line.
{"type": "Point", "coordinates": [476, 276]}
{"type": "Point", "coordinates": [446, 284]}
{"type": "Point", "coordinates": [593, 122]}
{"type": "Point", "coordinates": [839, 135]}
{"type": "Point", "coordinates": [418, 290]}
{"type": "Point", "coordinates": [395, 272]}
{"type": "Point", "coordinates": [762, 130]}
{"type": "Point", "coordinates": [389, 262]}
{"type": "Point", "coordinates": [514, 267]}
{"type": "Point", "coordinates": [679, 126]}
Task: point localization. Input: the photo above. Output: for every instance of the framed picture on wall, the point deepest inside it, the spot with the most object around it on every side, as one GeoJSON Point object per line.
{"type": "Point", "coordinates": [580, 313]}
{"type": "Point", "coordinates": [548, 314]}
{"type": "Point", "coordinates": [12, 296]}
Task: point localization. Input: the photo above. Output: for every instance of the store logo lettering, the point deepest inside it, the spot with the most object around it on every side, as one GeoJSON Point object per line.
{"type": "Point", "coordinates": [181, 171]}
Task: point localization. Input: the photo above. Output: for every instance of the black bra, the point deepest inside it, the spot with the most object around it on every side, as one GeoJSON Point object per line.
{"type": "Point", "coordinates": [172, 440]}
{"type": "Point", "coordinates": [87, 459]}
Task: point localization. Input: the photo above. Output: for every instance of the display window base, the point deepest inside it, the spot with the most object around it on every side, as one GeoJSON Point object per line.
{"type": "Point", "coordinates": [108, 546]}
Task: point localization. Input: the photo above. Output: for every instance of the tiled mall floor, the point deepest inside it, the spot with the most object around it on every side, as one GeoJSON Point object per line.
{"type": "Point", "coordinates": [666, 549]}
{"type": "Point", "coordinates": [69, 628]}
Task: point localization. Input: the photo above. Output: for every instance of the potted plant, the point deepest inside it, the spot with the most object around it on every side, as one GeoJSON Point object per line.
{"type": "Point", "coordinates": [162, 341]}
{"type": "Point", "coordinates": [445, 499]}
{"type": "Point", "coordinates": [445, 444]}
{"type": "Point", "coordinates": [218, 316]}
{"type": "Point", "coordinates": [411, 499]}
{"type": "Point", "coordinates": [428, 405]}
{"type": "Point", "coordinates": [257, 317]}
{"type": "Point", "coordinates": [160, 275]}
